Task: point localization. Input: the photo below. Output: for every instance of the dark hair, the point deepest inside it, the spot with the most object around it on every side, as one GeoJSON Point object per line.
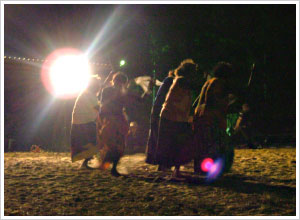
{"type": "Point", "coordinates": [222, 70]}
{"type": "Point", "coordinates": [186, 68]}
{"type": "Point", "coordinates": [120, 78]}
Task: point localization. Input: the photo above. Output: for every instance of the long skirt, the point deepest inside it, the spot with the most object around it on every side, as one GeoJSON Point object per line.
{"type": "Point", "coordinates": [211, 141]}
{"type": "Point", "coordinates": [174, 143]}
{"type": "Point", "coordinates": [83, 141]}
{"type": "Point", "coordinates": [152, 139]}
{"type": "Point", "coordinates": [111, 136]}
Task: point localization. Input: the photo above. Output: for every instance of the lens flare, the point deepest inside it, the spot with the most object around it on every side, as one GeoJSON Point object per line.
{"type": "Point", "coordinates": [207, 164]}
{"type": "Point", "coordinates": [66, 73]}
{"type": "Point", "coordinates": [212, 168]}
{"type": "Point", "coordinates": [216, 169]}
{"type": "Point", "coordinates": [69, 74]}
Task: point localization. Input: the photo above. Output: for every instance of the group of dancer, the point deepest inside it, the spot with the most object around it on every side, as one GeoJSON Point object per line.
{"type": "Point", "coordinates": [180, 131]}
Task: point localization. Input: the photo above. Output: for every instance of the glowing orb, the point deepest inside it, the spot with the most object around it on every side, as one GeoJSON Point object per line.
{"type": "Point", "coordinates": [66, 73]}
{"type": "Point", "coordinates": [122, 62]}
{"type": "Point", "coordinates": [207, 164]}
{"type": "Point", "coordinates": [215, 170]}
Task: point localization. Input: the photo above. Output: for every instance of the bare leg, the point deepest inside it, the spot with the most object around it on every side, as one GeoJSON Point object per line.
{"type": "Point", "coordinates": [85, 163]}
{"type": "Point", "coordinates": [114, 171]}
{"type": "Point", "coordinates": [176, 172]}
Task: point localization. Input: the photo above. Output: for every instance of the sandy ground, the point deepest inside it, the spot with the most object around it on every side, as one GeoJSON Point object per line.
{"type": "Point", "coordinates": [262, 182]}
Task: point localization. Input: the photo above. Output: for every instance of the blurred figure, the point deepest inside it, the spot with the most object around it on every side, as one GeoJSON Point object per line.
{"type": "Point", "coordinates": [210, 138]}
{"type": "Point", "coordinates": [11, 145]}
{"type": "Point", "coordinates": [155, 116]}
{"type": "Point", "coordinates": [112, 126]}
{"type": "Point", "coordinates": [83, 128]}
{"type": "Point", "coordinates": [132, 139]}
{"type": "Point", "coordinates": [244, 126]}
{"type": "Point", "coordinates": [175, 130]}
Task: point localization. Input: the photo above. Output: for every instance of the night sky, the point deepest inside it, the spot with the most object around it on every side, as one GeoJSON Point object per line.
{"type": "Point", "coordinates": [149, 37]}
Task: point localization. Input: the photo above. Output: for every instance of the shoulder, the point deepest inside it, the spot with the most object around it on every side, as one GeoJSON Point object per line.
{"type": "Point", "coordinates": [215, 82]}
{"type": "Point", "coordinates": [217, 86]}
{"type": "Point", "coordinates": [183, 83]}
{"type": "Point", "coordinates": [107, 90]}
{"type": "Point", "coordinates": [168, 80]}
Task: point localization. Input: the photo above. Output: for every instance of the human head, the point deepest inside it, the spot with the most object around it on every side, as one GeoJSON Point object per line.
{"type": "Point", "coordinates": [222, 70]}
{"type": "Point", "coordinates": [186, 68]}
{"type": "Point", "coordinates": [119, 79]}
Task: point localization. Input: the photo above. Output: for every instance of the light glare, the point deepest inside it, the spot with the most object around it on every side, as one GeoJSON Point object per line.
{"type": "Point", "coordinates": [122, 62]}
{"type": "Point", "coordinates": [207, 164]}
{"type": "Point", "coordinates": [69, 74]}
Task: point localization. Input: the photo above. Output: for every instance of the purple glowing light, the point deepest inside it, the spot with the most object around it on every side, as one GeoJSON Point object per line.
{"type": "Point", "coordinates": [215, 170]}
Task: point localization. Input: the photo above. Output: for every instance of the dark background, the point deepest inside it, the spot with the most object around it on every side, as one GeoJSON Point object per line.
{"type": "Point", "coordinates": [150, 38]}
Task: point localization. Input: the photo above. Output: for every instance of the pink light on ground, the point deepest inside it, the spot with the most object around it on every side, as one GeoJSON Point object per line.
{"type": "Point", "coordinates": [207, 164]}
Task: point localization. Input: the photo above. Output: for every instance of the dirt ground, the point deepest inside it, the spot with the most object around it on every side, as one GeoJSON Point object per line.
{"type": "Point", "coordinates": [262, 182]}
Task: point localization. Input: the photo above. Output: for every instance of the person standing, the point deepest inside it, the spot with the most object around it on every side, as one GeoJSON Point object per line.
{"type": "Point", "coordinates": [210, 138]}
{"type": "Point", "coordinates": [244, 126]}
{"type": "Point", "coordinates": [112, 126]}
{"type": "Point", "coordinates": [173, 148]}
{"type": "Point", "coordinates": [83, 128]}
{"type": "Point", "coordinates": [155, 116]}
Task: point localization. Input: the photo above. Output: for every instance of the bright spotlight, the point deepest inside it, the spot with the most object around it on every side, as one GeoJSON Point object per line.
{"type": "Point", "coordinates": [67, 74]}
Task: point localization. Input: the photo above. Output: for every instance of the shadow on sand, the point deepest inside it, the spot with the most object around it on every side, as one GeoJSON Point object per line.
{"type": "Point", "coordinates": [233, 182]}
